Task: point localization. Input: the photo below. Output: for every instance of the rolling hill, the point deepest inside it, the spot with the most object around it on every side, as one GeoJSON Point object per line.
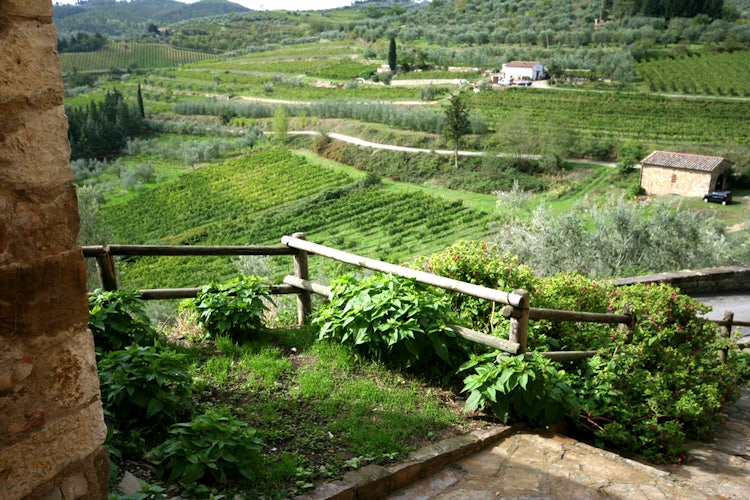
{"type": "Point", "coordinates": [118, 18]}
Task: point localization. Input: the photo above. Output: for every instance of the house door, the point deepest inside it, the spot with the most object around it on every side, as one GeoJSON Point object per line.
{"type": "Point", "coordinates": [719, 183]}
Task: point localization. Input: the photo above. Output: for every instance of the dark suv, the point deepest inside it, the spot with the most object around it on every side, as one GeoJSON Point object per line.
{"type": "Point", "coordinates": [723, 197]}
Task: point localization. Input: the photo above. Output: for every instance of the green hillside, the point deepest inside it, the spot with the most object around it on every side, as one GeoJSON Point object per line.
{"type": "Point", "coordinates": [129, 55]}
{"type": "Point", "coordinates": [120, 18]}
{"type": "Point", "coordinates": [256, 199]}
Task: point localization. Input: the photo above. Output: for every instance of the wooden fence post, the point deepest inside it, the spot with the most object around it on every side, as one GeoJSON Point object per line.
{"type": "Point", "coordinates": [519, 327]}
{"type": "Point", "coordinates": [301, 271]}
{"type": "Point", "coordinates": [107, 275]}
{"type": "Point", "coordinates": [725, 332]}
{"type": "Point", "coordinates": [630, 325]}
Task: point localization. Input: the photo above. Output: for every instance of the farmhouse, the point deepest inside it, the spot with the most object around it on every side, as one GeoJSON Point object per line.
{"type": "Point", "coordinates": [683, 174]}
{"type": "Point", "coordinates": [523, 69]}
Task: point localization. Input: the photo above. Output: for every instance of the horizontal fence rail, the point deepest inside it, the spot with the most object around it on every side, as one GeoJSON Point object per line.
{"type": "Point", "coordinates": [516, 307]}
{"type": "Point", "coordinates": [197, 251]}
{"type": "Point", "coordinates": [482, 292]}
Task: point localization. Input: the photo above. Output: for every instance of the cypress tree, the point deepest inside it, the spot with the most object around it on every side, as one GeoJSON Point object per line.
{"type": "Point", "coordinates": [140, 102]}
{"type": "Point", "coordinates": [392, 54]}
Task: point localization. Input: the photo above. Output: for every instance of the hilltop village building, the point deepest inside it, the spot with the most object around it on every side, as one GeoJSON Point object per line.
{"type": "Point", "coordinates": [683, 174]}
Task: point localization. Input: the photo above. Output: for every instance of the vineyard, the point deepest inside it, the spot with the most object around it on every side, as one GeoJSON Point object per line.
{"type": "Point", "coordinates": [260, 197]}
{"type": "Point", "coordinates": [653, 120]}
{"type": "Point", "coordinates": [723, 74]}
{"type": "Point", "coordinates": [125, 55]}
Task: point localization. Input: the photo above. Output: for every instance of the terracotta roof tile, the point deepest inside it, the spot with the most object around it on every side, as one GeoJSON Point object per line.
{"type": "Point", "coordinates": [683, 161]}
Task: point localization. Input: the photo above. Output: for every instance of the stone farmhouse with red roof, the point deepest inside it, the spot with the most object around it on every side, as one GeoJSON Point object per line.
{"type": "Point", "coordinates": [683, 174]}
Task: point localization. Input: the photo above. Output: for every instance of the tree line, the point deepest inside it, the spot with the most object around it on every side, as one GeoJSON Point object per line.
{"type": "Point", "coordinates": [665, 8]}
{"type": "Point", "coordinates": [101, 129]}
{"type": "Point", "coordinates": [81, 42]}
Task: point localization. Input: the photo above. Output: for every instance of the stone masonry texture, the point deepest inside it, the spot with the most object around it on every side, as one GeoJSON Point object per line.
{"type": "Point", "coordinates": [51, 424]}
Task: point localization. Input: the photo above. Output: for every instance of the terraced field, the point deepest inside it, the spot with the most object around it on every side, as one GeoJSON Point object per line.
{"type": "Point", "coordinates": [259, 198]}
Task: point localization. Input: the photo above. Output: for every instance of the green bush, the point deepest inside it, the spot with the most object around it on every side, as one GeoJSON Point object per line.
{"type": "Point", "coordinates": [662, 387]}
{"type": "Point", "coordinates": [117, 319]}
{"type": "Point", "coordinates": [214, 447]}
{"type": "Point", "coordinates": [533, 389]}
{"type": "Point", "coordinates": [572, 292]}
{"type": "Point", "coordinates": [647, 391]}
{"type": "Point", "coordinates": [394, 320]}
{"type": "Point", "coordinates": [235, 308]}
{"type": "Point", "coordinates": [144, 387]}
{"type": "Point", "coordinates": [480, 263]}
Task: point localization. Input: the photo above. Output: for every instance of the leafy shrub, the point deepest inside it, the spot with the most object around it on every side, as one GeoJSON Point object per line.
{"type": "Point", "coordinates": [647, 391]}
{"type": "Point", "coordinates": [117, 319]}
{"type": "Point", "coordinates": [214, 447]}
{"type": "Point", "coordinates": [396, 320]}
{"type": "Point", "coordinates": [144, 386]}
{"type": "Point", "coordinates": [480, 263]}
{"type": "Point", "coordinates": [235, 308]}
{"type": "Point", "coordinates": [572, 292]}
{"type": "Point", "coordinates": [669, 381]}
{"type": "Point", "coordinates": [530, 389]}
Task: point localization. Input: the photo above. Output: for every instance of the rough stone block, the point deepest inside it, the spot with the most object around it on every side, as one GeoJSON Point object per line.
{"type": "Point", "coordinates": [55, 494]}
{"type": "Point", "coordinates": [335, 490]}
{"type": "Point", "coordinates": [63, 376]}
{"type": "Point", "coordinates": [45, 454]}
{"type": "Point", "coordinates": [75, 486]}
{"type": "Point", "coordinates": [56, 286]}
{"type": "Point", "coordinates": [34, 155]}
{"type": "Point", "coordinates": [30, 71]}
{"type": "Point", "coordinates": [371, 481]}
{"type": "Point", "coordinates": [26, 8]}
{"type": "Point", "coordinates": [406, 473]}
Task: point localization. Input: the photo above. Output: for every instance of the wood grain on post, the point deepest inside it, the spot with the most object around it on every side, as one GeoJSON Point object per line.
{"type": "Point", "coordinates": [519, 327]}
{"type": "Point", "coordinates": [302, 271]}
{"type": "Point", "coordinates": [107, 275]}
{"type": "Point", "coordinates": [725, 332]}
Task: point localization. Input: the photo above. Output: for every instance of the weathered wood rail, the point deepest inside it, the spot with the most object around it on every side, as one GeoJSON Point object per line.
{"type": "Point", "coordinates": [516, 309]}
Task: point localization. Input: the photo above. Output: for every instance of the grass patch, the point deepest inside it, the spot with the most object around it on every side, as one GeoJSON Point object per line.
{"type": "Point", "coordinates": [319, 408]}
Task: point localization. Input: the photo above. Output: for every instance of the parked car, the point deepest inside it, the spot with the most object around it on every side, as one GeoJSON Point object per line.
{"type": "Point", "coordinates": [723, 197]}
{"type": "Point", "coordinates": [524, 83]}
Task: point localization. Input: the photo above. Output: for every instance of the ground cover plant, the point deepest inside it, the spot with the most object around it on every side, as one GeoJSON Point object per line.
{"type": "Point", "coordinates": [646, 391]}
{"type": "Point", "coordinates": [266, 417]}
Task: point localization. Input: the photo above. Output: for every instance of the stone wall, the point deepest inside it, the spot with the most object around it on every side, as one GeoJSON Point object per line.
{"type": "Point", "coordinates": [51, 423]}
{"type": "Point", "coordinates": [664, 181]}
{"type": "Point", "coordinates": [700, 281]}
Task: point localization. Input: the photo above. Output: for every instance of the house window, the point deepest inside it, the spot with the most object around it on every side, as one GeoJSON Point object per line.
{"type": "Point", "coordinates": [674, 178]}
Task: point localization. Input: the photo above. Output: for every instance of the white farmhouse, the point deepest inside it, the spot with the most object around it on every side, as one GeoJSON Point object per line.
{"type": "Point", "coordinates": [516, 70]}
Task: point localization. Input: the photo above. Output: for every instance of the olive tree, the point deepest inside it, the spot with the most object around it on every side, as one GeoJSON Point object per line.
{"type": "Point", "coordinates": [617, 238]}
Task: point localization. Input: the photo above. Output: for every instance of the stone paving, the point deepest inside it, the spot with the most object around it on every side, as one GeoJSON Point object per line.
{"type": "Point", "coordinates": [535, 465]}
{"type": "Point", "coordinates": [516, 463]}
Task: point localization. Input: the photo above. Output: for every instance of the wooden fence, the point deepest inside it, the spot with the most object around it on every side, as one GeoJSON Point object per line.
{"type": "Point", "coordinates": [516, 303]}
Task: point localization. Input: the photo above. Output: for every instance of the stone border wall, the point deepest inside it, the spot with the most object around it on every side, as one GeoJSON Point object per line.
{"type": "Point", "coordinates": [731, 279]}
{"type": "Point", "coordinates": [51, 424]}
